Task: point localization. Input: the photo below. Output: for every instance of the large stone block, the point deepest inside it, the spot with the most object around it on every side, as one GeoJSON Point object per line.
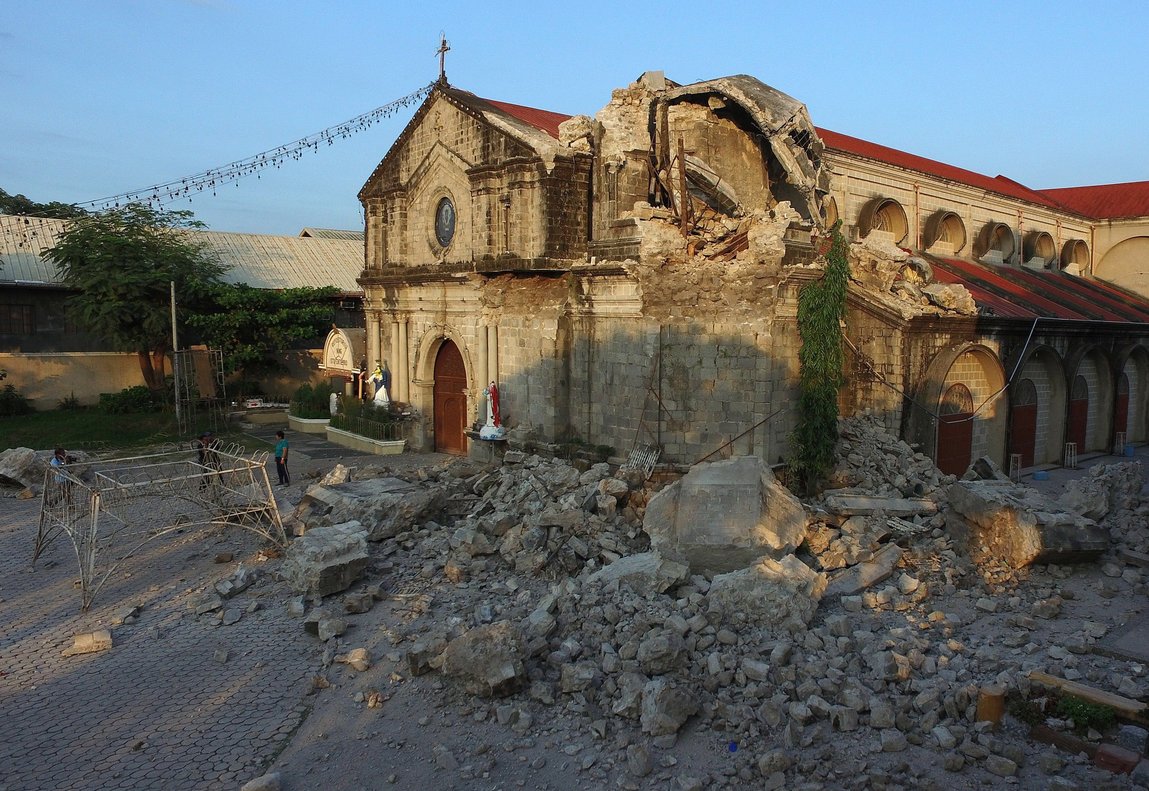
{"type": "Point", "coordinates": [1019, 525]}
{"type": "Point", "coordinates": [384, 506]}
{"type": "Point", "coordinates": [488, 659]}
{"type": "Point", "coordinates": [326, 559]}
{"type": "Point", "coordinates": [724, 515]}
{"type": "Point", "coordinates": [770, 592]}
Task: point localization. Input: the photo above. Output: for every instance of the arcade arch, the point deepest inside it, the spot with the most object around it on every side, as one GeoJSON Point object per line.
{"type": "Point", "coordinates": [1037, 429]}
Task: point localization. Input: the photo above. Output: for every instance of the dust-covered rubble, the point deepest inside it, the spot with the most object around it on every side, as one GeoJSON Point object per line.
{"type": "Point", "coordinates": [855, 661]}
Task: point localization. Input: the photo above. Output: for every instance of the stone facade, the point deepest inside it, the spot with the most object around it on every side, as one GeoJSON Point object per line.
{"type": "Point", "coordinates": [632, 279]}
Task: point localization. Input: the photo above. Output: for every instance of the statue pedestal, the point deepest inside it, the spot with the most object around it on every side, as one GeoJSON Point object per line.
{"type": "Point", "coordinates": [485, 450]}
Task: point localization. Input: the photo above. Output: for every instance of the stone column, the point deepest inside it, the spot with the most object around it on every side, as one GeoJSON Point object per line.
{"type": "Point", "coordinates": [404, 374]}
{"type": "Point", "coordinates": [393, 363]}
{"type": "Point", "coordinates": [493, 355]}
{"type": "Point", "coordinates": [373, 354]}
{"type": "Point", "coordinates": [481, 379]}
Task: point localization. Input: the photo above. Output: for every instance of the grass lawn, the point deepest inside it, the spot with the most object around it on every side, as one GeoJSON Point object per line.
{"type": "Point", "coordinates": [89, 429]}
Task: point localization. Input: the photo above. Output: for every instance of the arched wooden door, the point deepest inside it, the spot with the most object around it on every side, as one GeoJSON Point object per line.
{"type": "Point", "coordinates": [1121, 407]}
{"type": "Point", "coordinates": [1023, 421]}
{"type": "Point", "coordinates": [1078, 413]}
{"type": "Point", "coordinates": [450, 402]}
{"type": "Point", "coordinates": [955, 430]}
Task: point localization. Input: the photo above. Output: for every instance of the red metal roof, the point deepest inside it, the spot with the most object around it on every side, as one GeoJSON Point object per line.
{"type": "Point", "coordinates": [544, 120]}
{"type": "Point", "coordinates": [835, 141]}
{"type": "Point", "coordinates": [1017, 292]}
{"type": "Point", "coordinates": [1105, 201]}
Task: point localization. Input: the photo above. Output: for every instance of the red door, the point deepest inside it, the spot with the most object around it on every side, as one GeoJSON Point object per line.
{"type": "Point", "coordinates": [1121, 407]}
{"type": "Point", "coordinates": [1023, 421]}
{"type": "Point", "coordinates": [955, 430]}
{"type": "Point", "coordinates": [1078, 413]}
{"type": "Point", "coordinates": [450, 403]}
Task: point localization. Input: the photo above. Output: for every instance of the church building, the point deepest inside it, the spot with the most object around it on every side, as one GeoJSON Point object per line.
{"type": "Point", "coordinates": [631, 280]}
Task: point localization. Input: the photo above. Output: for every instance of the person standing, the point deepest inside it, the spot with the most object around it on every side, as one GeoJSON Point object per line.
{"type": "Point", "coordinates": [63, 488]}
{"type": "Point", "coordinates": [282, 448]}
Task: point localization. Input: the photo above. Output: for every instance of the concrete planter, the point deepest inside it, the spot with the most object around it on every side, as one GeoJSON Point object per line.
{"type": "Point", "coordinates": [365, 445]}
{"type": "Point", "coordinates": [266, 417]}
{"type": "Point", "coordinates": [308, 425]}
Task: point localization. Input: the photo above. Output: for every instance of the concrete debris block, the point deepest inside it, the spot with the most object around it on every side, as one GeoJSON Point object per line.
{"type": "Point", "coordinates": [267, 782]}
{"type": "Point", "coordinates": [723, 515]}
{"type": "Point", "coordinates": [224, 557]}
{"type": "Point", "coordinates": [89, 643]}
{"type": "Point", "coordinates": [487, 659]}
{"type": "Point", "coordinates": [661, 653]}
{"type": "Point", "coordinates": [357, 658]}
{"type": "Point", "coordinates": [339, 474]}
{"type": "Point", "coordinates": [579, 676]}
{"type": "Point", "coordinates": [384, 506]}
{"type": "Point", "coordinates": [666, 707]}
{"type": "Point", "coordinates": [645, 573]}
{"type": "Point", "coordinates": [126, 615]}
{"type": "Point", "coordinates": [1019, 526]}
{"type": "Point", "coordinates": [231, 616]}
{"type": "Point", "coordinates": [358, 603]}
{"type": "Point", "coordinates": [472, 541]}
{"type": "Point", "coordinates": [770, 592]}
{"type": "Point", "coordinates": [857, 578]}
{"type": "Point", "coordinates": [326, 559]}
{"type": "Point", "coordinates": [865, 505]}
{"type": "Point", "coordinates": [456, 569]}
{"type": "Point", "coordinates": [605, 506]}
{"type": "Point", "coordinates": [614, 487]}
{"type": "Point", "coordinates": [514, 457]}
{"type": "Point", "coordinates": [422, 655]}
{"type": "Point", "coordinates": [628, 699]}
{"type": "Point", "coordinates": [1105, 488]}
{"type": "Point", "coordinates": [22, 467]}
{"type": "Point", "coordinates": [893, 740]}
{"type": "Point", "coordinates": [296, 607]}
{"type": "Point", "coordinates": [209, 603]}
{"type": "Point", "coordinates": [237, 583]}
{"type": "Point", "coordinates": [951, 296]}
{"type": "Point", "coordinates": [326, 628]}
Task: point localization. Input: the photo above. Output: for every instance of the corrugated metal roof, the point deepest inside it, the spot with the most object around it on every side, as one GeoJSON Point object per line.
{"type": "Point", "coordinates": [259, 260]}
{"type": "Point", "coordinates": [836, 141]}
{"type": "Point", "coordinates": [331, 233]}
{"type": "Point", "coordinates": [1106, 201]}
{"type": "Point", "coordinates": [543, 120]}
{"type": "Point", "coordinates": [1018, 292]}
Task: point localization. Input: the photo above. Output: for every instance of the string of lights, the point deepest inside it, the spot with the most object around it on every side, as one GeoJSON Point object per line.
{"type": "Point", "coordinates": [171, 191]}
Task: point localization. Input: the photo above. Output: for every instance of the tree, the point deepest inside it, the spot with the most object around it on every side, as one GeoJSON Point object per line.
{"type": "Point", "coordinates": [19, 204]}
{"type": "Point", "coordinates": [249, 324]}
{"type": "Point", "coordinates": [121, 263]}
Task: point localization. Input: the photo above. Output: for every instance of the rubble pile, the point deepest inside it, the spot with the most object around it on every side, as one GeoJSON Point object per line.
{"type": "Point", "coordinates": [817, 667]}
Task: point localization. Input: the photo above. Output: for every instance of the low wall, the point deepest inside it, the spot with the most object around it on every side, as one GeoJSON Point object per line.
{"type": "Point", "coordinates": [47, 378]}
{"type": "Point", "coordinates": [364, 445]}
{"type": "Point", "coordinates": [308, 425]}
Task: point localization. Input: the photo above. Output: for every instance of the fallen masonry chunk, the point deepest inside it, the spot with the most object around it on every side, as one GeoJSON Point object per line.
{"type": "Point", "coordinates": [857, 578]}
{"type": "Point", "coordinates": [665, 707]}
{"type": "Point", "coordinates": [723, 515]}
{"type": "Point", "coordinates": [487, 659]}
{"type": "Point", "coordinates": [770, 592]}
{"type": "Point", "coordinates": [645, 572]}
{"type": "Point", "coordinates": [327, 559]}
{"type": "Point", "coordinates": [89, 643]}
{"type": "Point", "coordinates": [385, 507]}
{"type": "Point", "coordinates": [1020, 526]}
{"type": "Point", "coordinates": [864, 505]}
{"type": "Point", "coordinates": [357, 658]}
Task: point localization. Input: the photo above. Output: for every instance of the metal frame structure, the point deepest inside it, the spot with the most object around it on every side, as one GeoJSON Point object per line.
{"type": "Point", "coordinates": [111, 508]}
{"type": "Point", "coordinates": [194, 392]}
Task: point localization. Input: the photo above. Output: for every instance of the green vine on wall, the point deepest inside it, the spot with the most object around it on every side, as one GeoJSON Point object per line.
{"type": "Point", "coordinates": [821, 307]}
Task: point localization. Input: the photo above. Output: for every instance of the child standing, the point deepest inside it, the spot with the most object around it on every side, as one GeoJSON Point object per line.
{"type": "Point", "coordinates": [282, 448]}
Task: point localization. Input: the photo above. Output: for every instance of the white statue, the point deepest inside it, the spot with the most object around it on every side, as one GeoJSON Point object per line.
{"type": "Point", "coordinates": [381, 378]}
{"type": "Point", "coordinates": [494, 428]}
{"type": "Point", "coordinates": [333, 404]}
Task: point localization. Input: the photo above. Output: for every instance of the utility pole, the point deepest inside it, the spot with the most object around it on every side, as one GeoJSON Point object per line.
{"type": "Point", "coordinates": [175, 358]}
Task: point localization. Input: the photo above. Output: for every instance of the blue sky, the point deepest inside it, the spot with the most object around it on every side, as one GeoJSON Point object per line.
{"type": "Point", "coordinates": [100, 97]}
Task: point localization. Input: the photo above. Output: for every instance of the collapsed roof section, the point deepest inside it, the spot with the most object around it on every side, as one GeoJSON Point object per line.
{"type": "Point", "coordinates": [785, 126]}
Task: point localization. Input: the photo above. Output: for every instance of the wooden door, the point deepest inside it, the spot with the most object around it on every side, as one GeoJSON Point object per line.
{"type": "Point", "coordinates": [1023, 421]}
{"type": "Point", "coordinates": [450, 402]}
{"type": "Point", "coordinates": [955, 430]}
{"type": "Point", "coordinates": [1078, 413]}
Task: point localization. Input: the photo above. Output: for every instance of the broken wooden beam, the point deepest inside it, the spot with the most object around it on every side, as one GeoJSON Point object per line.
{"type": "Point", "coordinates": [1126, 709]}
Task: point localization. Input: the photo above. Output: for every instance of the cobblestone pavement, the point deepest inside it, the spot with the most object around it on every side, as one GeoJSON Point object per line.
{"type": "Point", "coordinates": [159, 710]}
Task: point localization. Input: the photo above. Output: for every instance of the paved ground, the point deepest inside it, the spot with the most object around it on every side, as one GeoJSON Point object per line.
{"type": "Point", "coordinates": [160, 710]}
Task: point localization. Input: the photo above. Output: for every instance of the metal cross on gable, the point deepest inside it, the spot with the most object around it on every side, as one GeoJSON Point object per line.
{"type": "Point", "coordinates": [444, 47]}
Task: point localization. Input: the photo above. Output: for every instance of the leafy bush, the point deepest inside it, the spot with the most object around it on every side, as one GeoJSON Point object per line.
{"type": "Point", "coordinates": [369, 420]}
{"type": "Point", "coordinates": [12, 402]}
{"type": "Point", "coordinates": [130, 400]}
{"type": "Point", "coordinates": [312, 402]}
{"type": "Point", "coordinates": [69, 403]}
{"type": "Point", "coordinates": [1086, 715]}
